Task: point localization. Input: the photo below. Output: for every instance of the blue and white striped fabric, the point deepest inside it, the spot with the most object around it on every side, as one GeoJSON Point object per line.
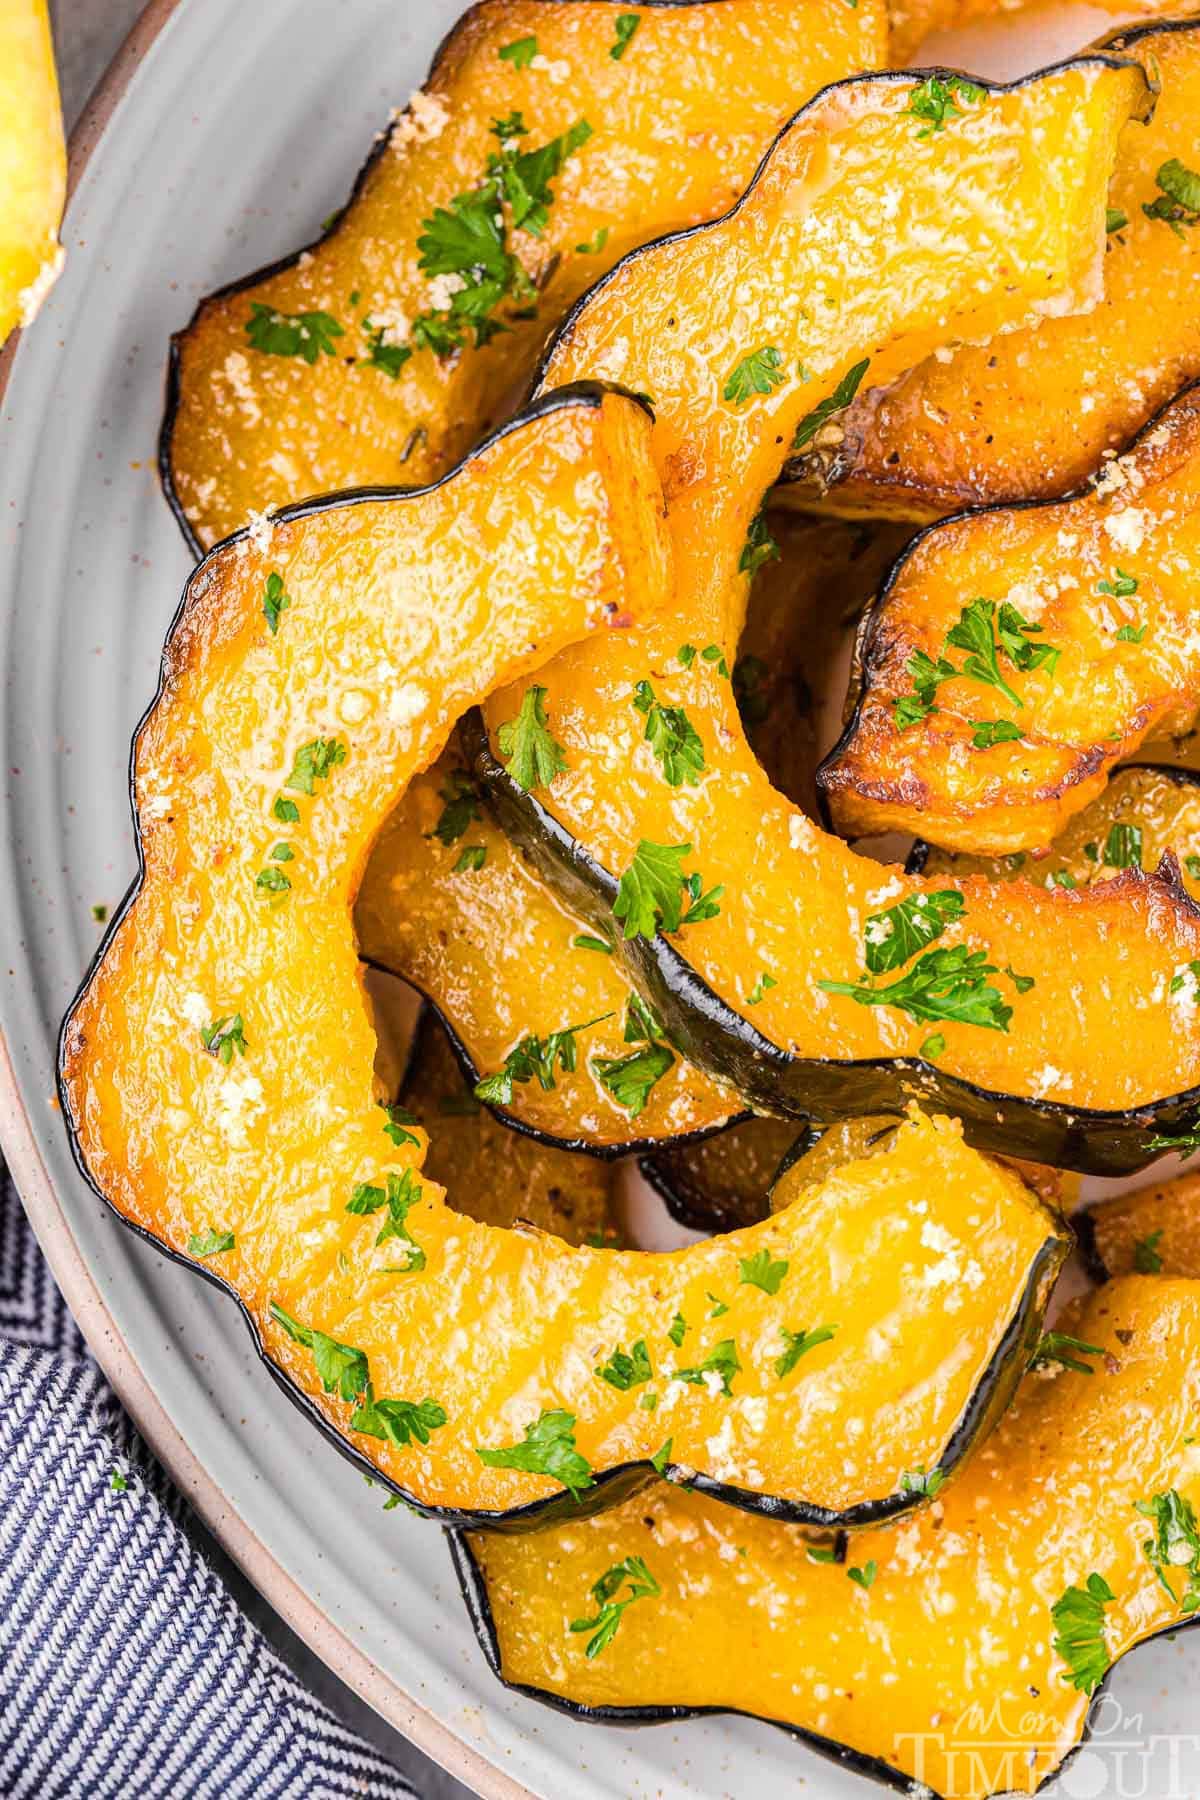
{"type": "Point", "coordinates": [127, 1671]}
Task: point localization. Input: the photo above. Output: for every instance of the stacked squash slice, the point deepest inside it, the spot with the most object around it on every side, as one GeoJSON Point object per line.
{"type": "Point", "coordinates": [538, 739]}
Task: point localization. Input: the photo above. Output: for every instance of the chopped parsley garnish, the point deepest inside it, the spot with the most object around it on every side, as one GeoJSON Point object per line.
{"type": "Point", "coordinates": [822, 1553]}
{"type": "Point", "coordinates": [532, 756]}
{"type": "Point", "coordinates": [798, 1344]}
{"type": "Point", "coordinates": [1115, 220]}
{"type": "Point", "coordinates": [306, 334]}
{"type": "Point", "coordinates": [315, 762]}
{"type": "Point", "coordinates": [210, 1243]}
{"type": "Point", "coordinates": [460, 808]}
{"type": "Point", "coordinates": [548, 1449]}
{"type": "Point", "coordinates": [632, 1571]}
{"type": "Point", "coordinates": [626, 24]}
{"type": "Point", "coordinates": [987, 732]}
{"type": "Point", "coordinates": [762, 1271]}
{"type": "Point", "coordinates": [224, 1036]}
{"type": "Point", "coordinates": [594, 245]}
{"type": "Point", "coordinates": [927, 676]}
{"type": "Point", "coordinates": [625, 1370]}
{"type": "Point", "coordinates": [1192, 864]}
{"type": "Point", "coordinates": [895, 935]}
{"type": "Point", "coordinates": [759, 372]}
{"type": "Point", "coordinates": [864, 1577]}
{"type": "Point", "coordinates": [949, 985]}
{"type": "Point", "coordinates": [583, 940]}
{"type": "Point", "coordinates": [274, 600]}
{"type": "Point", "coordinates": [759, 548]}
{"type": "Point", "coordinates": [520, 53]}
{"type": "Point", "coordinates": [630, 1079]}
{"type": "Point", "coordinates": [534, 1059]}
{"type": "Point", "coordinates": [1178, 201]}
{"type": "Point", "coordinates": [472, 856]}
{"type": "Point", "coordinates": [1079, 1624]}
{"type": "Point", "coordinates": [833, 403]}
{"type": "Point", "coordinates": [340, 1366]}
{"type": "Point", "coordinates": [721, 1360]}
{"type": "Point", "coordinates": [1187, 977]}
{"type": "Point", "coordinates": [936, 101]}
{"type": "Point", "coordinates": [118, 1483]}
{"type": "Point", "coordinates": [712, 653]}
{"type": "Point", "coordinates": [718, 1308]}
{"type": "Point", "coordinates": [397, 1421]}
{"type": "Point", "coordinates": [100, 913]}
{"type": "Point", "coordinates": [686, 654]}
{"type": "Point", "coordinates": [1062, 878]}
{"type": "Point", "coordinates": [916, 1481]}
{"type": "Point", "coordinates": [676, 1329]}
{"type": "Point", "coordinates": [272, 881]}
{"type": "Point", "coordinates": [661, 1457]}
{"type": "Point", "coordinates": [1131, 634]}
{"type": "Point", "coordinates": [986, 632]}
{"type": "Point", "coordinates": [1146, 1257]}
{"type": "Point", "coordinates": [285, 811]}
{"type": "Point", "coordinates": [672, 737]}
{"type": "Point", "coordinates": [1120, 585]}
{"type": "Point", "coordinates": [1185, 1142]}
{"type": "Point", "coordinates": [933, 1046]}
{"type": "Point", "coordinates": [1058, 1347]}
{"type": "Point", "coordinates": [653, 889]}
{"type": "Point", "coordinates": [399, 1195]}
{"type": "Point", "coordinates": [1175, 1544]}
{"type": "Point", "coordinates": [281, 853]}
{"type": "Point", "coordinates": [750, 690]}
{"type": "Point", "coordinates": [1123, 847]}
{"type": "Point", "coordinates": [758, 991]}
{"type": "Point", "coordinates": [1022, 983]}
{"type": "Point", "coordinates": [391, 358]}
{"type": "Point", "coordinates": [396, 1123]}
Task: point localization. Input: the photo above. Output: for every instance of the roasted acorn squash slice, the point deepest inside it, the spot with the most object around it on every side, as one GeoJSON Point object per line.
{"type": "Point", "coordinates": [960, 1652]}
{"type": "Point", "coordinates": [774, 983]}
{"type": "Point", "coordinates": [33, 162]}
{"type": "Point", "coordinates": [1031, 415]}
{"type": "Point", "coordinates": [1015, 656]}
{"type": "Point", "coordinates": [351, 363]}
{"type": "Point", "coordinates": [217, 1069]}
{"type": "Point", "coordinates": [1153, 1231]}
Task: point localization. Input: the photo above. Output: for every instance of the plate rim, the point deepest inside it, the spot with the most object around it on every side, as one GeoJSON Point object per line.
{"type": "Point", "coordinates": [82, 1293]}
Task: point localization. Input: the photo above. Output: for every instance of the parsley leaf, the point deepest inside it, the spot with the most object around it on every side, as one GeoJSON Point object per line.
{"type": "Point", "coordinates": [896, 934]}
{"type": "Point", "coordinates": [704, 906]}
{"type": "Point", "coordinates": [947, 985]}
{"type": "Point", "coordinates": [762, 1271]}
{"type": "Point", "coordinates": [524, 176]}
{"type": "Point", "coordinates": [750, 690]}
{"type": "Point", "coordinates": [1079, 1624]}
{"type": "Point", "coordinates": [630, 1079]}
{"type": "Point", "coordinates": [759, 548]}
{"type": "Point", "coordinates": [473, 856]}
{"type": "Point", "coordinates": [1114, 220]}
{"type": "Point", "coordinates": [651, 889]}
{"type": "Point", "coordinates": [548, 1449]}
{"type": "Point", "coordinates": [534, 1059]}
{"type": "Point", "coordinates": [398, 1421]}
{"type": "Point", "coordinates": [974, 633]}
{"type": "Point", "coordinates": [632, 1571]}
{"type": "Point", "coordinates": [395, 1122]}
{"type": "Point", "coordinates": [532, 756]}
{"type": "Point", "coordinates": [927, 677]}
{"type": "Point", "coordinates": [401, 1193]}
{"type": "Point", "coordinates": [916, 1481]}
{"type": "Point", "coordinates": [625, 1371]}
{"type": "Point", "coordinates": [391, 358]}
{"type": "Point", "coordinates": [272, 881]}
{"type": "Point", "coordinates": [1175, 1544]}
{"type": "Point", "coordinates": [833, 403]}
{"type": "Point", "coordinates": [721, 1360]}
{"type": "Point", "coordinates": [212, 1243]}
{"type": "Point", "coordinates": [626, 25]}
{"type": "Point", "coordinates": [583, 940]}
{"type": "Point", "coordinates": [1131, 634]}
{"type": "Point", "coordinates": [594, 245]}
{"type": "Point", "coordinates": [306, 334]}
{"type": "Point", "coordinates": [758, 991]}
{"type": "Point", "coordinates": [1121, 585]}
{"type": "Point", "coordinates": [677, 1329]}
{"type": "Point", "coordinates": [672, 737]}
{"type": "Point", "coordinates": [1146, 1258]}
{"type": "Point", "coordinates": [520, 53]}
{"type": "Point", "coordinates": [285, 811]}
{"type": "Point", "coordinates": [314, 762]}
{"type": "Point", "coordinates": [1123, 847]}
{"type": "Point", "coordinates": [339, 1366]}
{"type": "Point", "coordinates": [864, 1577]}
{"type": "Point", "coordinates": [1178, 202]}
{"type": "Point", "coordinates": [759, 372]}
{"type": "Point", "coordinates": [987, 732]}
{"type": "Point", "coordinates": [274, 600]}
{"type": "Point", "coordinates": [224, 1036]}
{"type": "Point", "coordinates": [661, 1457]}
{"type": "Point", "coordinates": [460, 808]}
{"type": "Point", "coordinates": [798, 1344]}
{"type": "Point", "coordinates": [1058, 1347]}
{"type": "Point", "coordinates": [935, 101]}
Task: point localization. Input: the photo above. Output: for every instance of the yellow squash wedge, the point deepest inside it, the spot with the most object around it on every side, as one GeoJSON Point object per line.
{"type": "Point", "coordinates": [792, 906]}
{"type": "Point", "coordinates": [1030, 416]}
{"type": "Point", "coordinates": [353, 363]}
{"type": "Point", "coordinates": [1015, 656]}
{"type": "Point", "coordinates": [33, 162]}
{"type": "Point", "coordinates": [960, 1650]}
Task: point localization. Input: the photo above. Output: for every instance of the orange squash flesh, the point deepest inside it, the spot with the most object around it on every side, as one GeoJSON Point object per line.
{"type": "Point", "coordinates": [1029, 417]}
{"type": "Point", "coordinates": [1144, 814]}
{"type": "Point", "coordinates": [1122, 557]}
{"type": "Point", "coordinates": [468, 937]}
{"type": "Point", "coordinates": [677, 130]}
{"type": "Point", "coordinates": [796, 900]}
{"type": "Point", "coordinates": [944, 1668]}
{"type": "Point", "coordinates": [1155, 1230]}
{"type": "Point", "coordinates": [912, 21]}
{"type": "Point", "coordinates": [33, 162]}
{"type": "Point", "coordinates": [497, 1176]}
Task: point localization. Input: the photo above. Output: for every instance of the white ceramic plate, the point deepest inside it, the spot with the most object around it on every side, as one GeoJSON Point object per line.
{"type": "Point", "coordinates": [226, 133]}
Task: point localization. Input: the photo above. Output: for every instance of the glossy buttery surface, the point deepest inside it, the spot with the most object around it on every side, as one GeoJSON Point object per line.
{"type": "Point", "coordinates": [33, 162]}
